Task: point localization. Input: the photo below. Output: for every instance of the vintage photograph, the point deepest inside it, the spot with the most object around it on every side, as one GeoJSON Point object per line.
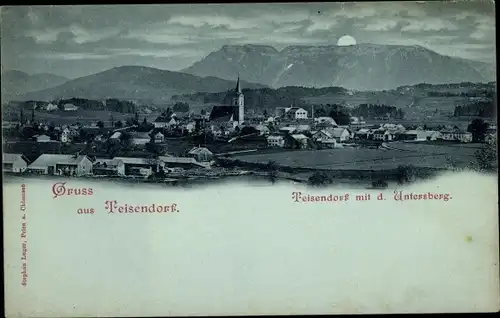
{"type": "Point", "coordinates": [250, 159]}
{"type": "Point", "coordinates": [374, 94]}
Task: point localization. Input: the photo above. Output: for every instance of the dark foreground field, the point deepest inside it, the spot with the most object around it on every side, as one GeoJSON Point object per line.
{"type": "Point", "coordinates": [419, 155]}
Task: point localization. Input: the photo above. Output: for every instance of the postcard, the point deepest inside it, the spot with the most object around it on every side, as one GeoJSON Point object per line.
{"type": "Point", "coordinates": [250, 159]}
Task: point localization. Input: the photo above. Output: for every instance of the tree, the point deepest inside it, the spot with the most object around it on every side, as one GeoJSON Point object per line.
{"type": "Point", "coordinates": [182, 107]}
{"type": "Point", "coordinates": [100, 124]}
{"type": "Point", "coordinates": [405, 174]}
{"type": "Point", "coordinates": [320, 178]}
{"type": "Point", "coordinates": [272, 171]}
{"type": "Point", "coordinates": [478, 128]}
{"type": "Point", "coordinates": [486, 157]}
{"type": "Point", "coordinates": [125, 139]}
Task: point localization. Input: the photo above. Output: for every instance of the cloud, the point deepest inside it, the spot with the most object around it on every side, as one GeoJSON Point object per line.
{"type": "Point", "coordinates": [429, 24]}
{"type": "Point", "coordinates": [181, 34]}
{"type": "Point", "coordinates": [167, 53]}
{"type": "Point", "coordinates": [381, 25]}
{"type": "Point", "coordinates": [67, 56]}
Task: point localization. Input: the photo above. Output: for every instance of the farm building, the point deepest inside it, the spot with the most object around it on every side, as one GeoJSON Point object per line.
{"type": "Point", "coordinates": [182, 162]}
{"type": "Point", "coordinates": [456, 135]}
{"type": "Point", "coordinates": [52, 164]}
{"type": "Point", "coordinates": [200, 154]}
{"type": "Point", "coordinates": [42, 138]}
{"type": "Point", "coordinates": [13, 162]}
{"type": "Point", "coordinates": [128, 166]}
{"type": "Point", "coordinates": [70, 107]}
{"type": "Point", "coordinates": [414, 135]}
{"type": "Point", "coordinates": [105, 167]}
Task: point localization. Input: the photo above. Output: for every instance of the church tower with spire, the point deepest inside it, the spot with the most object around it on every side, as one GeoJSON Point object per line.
{"type": "Point", "coordinates": [239, 101]}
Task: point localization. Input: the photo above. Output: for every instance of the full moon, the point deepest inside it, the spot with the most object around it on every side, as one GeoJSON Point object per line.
{"type": "Point", "coordinates": [346, 40]}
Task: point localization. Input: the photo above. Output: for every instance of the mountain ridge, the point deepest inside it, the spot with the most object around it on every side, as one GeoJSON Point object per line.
{"type": "Point", "coordinates": [132, 82]}
{"type": "Point", "coordinates": [15, 82]}
{"type": "Point", "coordinates": [363, 66]}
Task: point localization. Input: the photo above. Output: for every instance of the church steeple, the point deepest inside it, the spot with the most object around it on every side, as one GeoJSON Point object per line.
{"type": "Point", "coordinates": [238, 87]}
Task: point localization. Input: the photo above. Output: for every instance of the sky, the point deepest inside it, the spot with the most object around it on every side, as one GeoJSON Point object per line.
{"type": "Point", "coordinates": [75, 41]}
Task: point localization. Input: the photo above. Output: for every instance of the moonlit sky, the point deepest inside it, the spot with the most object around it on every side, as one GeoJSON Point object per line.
{"type": "Point", "coordinates": [75, 41]}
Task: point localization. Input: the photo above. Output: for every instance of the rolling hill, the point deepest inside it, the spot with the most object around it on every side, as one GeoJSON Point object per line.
{"type": "Point", "coordinates": [15, 83]}
{"type": "Point", "coordinates": [365, 67]}
{"type": "Point", "coordinates": [136, 83]}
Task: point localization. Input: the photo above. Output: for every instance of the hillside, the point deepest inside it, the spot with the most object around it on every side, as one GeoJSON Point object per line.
{"type": "Point", "coordinates": [360, 67]}
{"type": "Point", "coordinates": [136, 83]}
{"type": "Point", "coordinates": [17, 82]}
{"type": "Point", "coordinates": [420, 101]}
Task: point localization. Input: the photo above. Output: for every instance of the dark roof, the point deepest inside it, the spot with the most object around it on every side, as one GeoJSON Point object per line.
{"type": "Point", "coordinates": [162, 119]}
{"type": "Point", "coordinates": [224, 111]}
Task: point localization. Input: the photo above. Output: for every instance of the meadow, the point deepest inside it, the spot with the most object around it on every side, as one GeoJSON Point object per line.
{"type": "Point", "coordinates": [368, 159]}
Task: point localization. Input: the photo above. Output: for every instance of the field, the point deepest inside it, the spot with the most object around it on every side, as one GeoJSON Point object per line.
{"type": "Point", "coordinates": [369, 159]}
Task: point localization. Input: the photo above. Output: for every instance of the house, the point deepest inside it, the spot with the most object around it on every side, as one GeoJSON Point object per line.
{"type": "Point", "coordinates": [42, 138]}
{"type": "Point", "coordinates": [13, 162]}
{"type": "Point", "coordinates": [52, 164]}
{"type": "Point", "coordinates": [325, 138]}
{"type": "Point", "coordinates": [363, 133]}
{"type": "Point", "coordinates": [70, 107]}
{"type": "Point", "coordinates": [162, 121]}
{"type": "Point", "coordinates": [383, 134]}
{"type": "Point", "coordinates": [456, 135]}
{"type": "Point", "coordinates": [65, 135]}
{"type": "Point", "coordinates": [322, 134]}
{"type": "Point", "coordinates": [328, 121]}
{"type": "Point", "coordinates": [139, 138]}
{"type": "Point", "coordinates": [200, 154]}
{"type": "Point", "coordinates": [51, 107]}
{"type": "Point", "coordinates": [303, 128]}
{"type": "Point", "coordinates": [263, 130]}
{"type": "Point", "coordinates": [288, 130]}
{"type": "Point", "coordinates": [340, 134]}
{"type": "Point", "coordinates": [296, 113]}
{"type": "Point", "coordinates": [159, 137]}
{"type": "Point", "coordinates": [129, 166]}
{"type": "Point", "coordinates": [190, 127]}
{"type": "Point", "coordinates": [301, 141]}
{"type": "Point", "coordinates": [100, 138]}
{"type": "Point", "coordinates": [276, 141]}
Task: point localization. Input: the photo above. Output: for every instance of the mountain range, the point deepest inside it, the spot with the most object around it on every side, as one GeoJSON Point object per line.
{"type": "Point", "coordinates": [15, 82]}
{"type": "Point", "coordinates": [364, 67]}
{"type": "Point", "coordinates": [136, 83]}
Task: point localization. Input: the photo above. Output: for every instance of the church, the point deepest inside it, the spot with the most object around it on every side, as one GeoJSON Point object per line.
{"type": "Point", "coordinates": [233, 110]}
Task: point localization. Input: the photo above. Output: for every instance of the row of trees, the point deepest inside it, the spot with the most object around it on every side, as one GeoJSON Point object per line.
{"type": "Point", "coordinates": [475, 93]}
{"type": "Point", "coordinates": [478, 108]}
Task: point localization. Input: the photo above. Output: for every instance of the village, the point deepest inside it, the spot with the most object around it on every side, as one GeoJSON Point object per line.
{"type": "Point", "coordinates": [185, 144]}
